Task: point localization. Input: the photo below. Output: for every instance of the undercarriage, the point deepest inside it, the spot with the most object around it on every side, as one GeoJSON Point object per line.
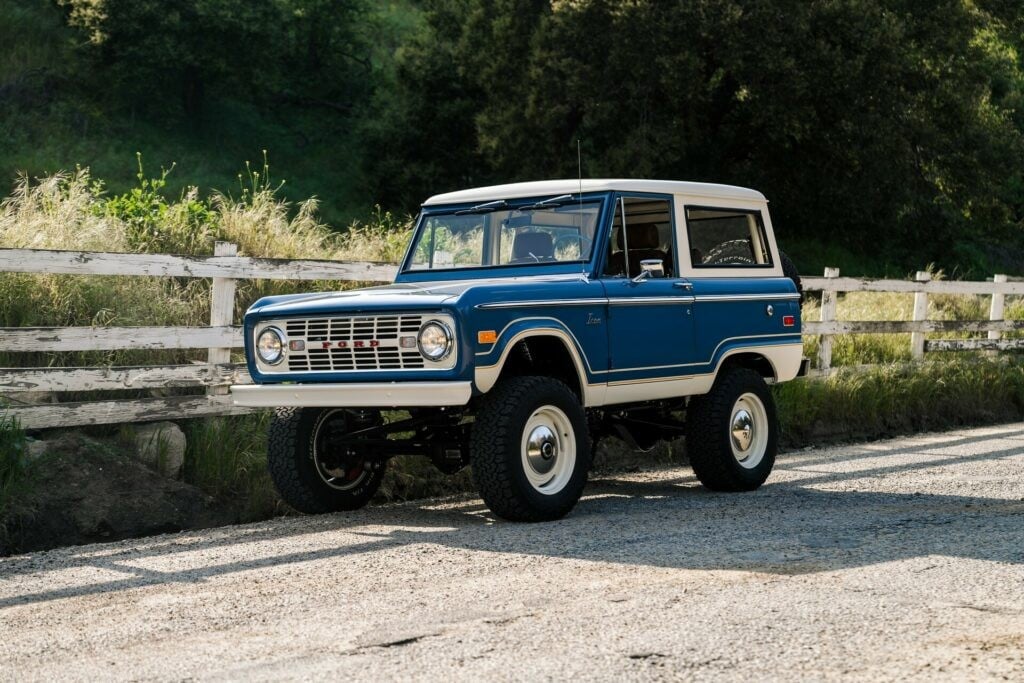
{"type": "Point", "coordinates": [442, 435]}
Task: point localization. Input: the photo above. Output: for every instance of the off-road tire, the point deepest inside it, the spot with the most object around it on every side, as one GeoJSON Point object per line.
{"type": "Point", "coordinates": [496, 449]}
{"type": "Point", "coordinates": [708, 437]}
{"type": "Point", "coordinates": [294, 473]}
{"type": "Point", "coordinates": [789, 270]}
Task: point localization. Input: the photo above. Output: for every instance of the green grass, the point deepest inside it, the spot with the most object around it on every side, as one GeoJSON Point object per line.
{"type": "Point", "coordinates": [227, 458]}
{"type": "Point", "coordinates": [13, 468]}
{"type": "Point", "coordinates": [895, 399]}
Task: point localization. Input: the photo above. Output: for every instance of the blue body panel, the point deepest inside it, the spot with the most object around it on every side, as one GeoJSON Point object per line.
{"type": "Point", "coordinates": [576, 306]}
{"type": "Point", "coordinates": [729, 324]}
{"type": "Point", "coordinates": [650, 327]}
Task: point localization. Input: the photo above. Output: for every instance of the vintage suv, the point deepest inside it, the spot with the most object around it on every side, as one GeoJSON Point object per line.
{"type": "Point", "coordinates": [526, 322]}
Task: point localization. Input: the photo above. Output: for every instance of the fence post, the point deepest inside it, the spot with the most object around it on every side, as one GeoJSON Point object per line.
{"type": "Point", "coordinates": [828, 314]}
{"type": "Point", "coordinates": [920, 313]}
{"type": "Point", "coordinates": [996, 312]}
{"type": "Point", "coordinates": [222, 310]}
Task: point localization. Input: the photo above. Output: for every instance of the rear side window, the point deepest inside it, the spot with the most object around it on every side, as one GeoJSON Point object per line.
{"type": "Point", "coordinates": [726, 238]}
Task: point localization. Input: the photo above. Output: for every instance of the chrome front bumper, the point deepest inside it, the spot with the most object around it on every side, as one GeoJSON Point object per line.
{"type": "Point", "coordinates": [353, 395]}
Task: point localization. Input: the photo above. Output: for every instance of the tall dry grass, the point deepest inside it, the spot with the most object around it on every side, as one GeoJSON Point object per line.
{"type": "Point", "coordinates": [73, 211]}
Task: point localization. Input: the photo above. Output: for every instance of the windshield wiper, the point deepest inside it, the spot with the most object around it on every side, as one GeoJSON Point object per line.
{"type": "Point", "coordinates": [548, 203]}
{"type": "Point", "coordinates": [483, 208]}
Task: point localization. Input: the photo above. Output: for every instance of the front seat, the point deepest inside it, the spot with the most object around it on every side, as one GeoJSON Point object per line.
{"type": "Point", "coordinates": [644, 243]}
{"type": "Point", "coordinates": [532, 247]}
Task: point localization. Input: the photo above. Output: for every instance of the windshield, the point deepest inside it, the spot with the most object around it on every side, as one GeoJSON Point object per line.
{"type": "Point", "coordinates": [496, 234]}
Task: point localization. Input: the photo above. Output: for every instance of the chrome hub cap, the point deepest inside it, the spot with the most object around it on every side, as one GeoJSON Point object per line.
{"type": "Point", "coordinates": [548, 450]}
{"type": "Point", "coordinates": [542, 449]}
{"type": "Point", "coordinates": [748, 430]}
{"type": "Point", "coordinates": [742, 430]}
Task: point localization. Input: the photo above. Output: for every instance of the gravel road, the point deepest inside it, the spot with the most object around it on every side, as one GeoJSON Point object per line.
{"type": "Point", "coordinates": [890, 560]}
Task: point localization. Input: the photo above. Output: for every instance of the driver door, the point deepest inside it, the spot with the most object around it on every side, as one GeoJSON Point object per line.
{"type": "Point", "coordinates": [650, 319]}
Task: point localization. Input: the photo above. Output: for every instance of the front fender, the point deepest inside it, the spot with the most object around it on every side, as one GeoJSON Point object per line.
{"type": "Point", "coordinates": [490, 361]}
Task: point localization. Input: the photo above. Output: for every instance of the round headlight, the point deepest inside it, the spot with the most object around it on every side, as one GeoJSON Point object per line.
{"type": "Point", "coordinates": [270, 345]}
{"type": "Point", "coordinates": [435, 340]}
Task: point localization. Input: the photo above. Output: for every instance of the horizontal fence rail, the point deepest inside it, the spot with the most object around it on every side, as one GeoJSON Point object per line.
{"type": "Point", "coordinates": [903, 326]}
{"type": "Point", "coordinates": [161, 265]}
{"type": "Point", "coordinates": [117, 338]}
{"type": "Point", "coordinates": [974, 345]}
{"type": "Point", "coordinates": [49, 415]}
{"type": "Point", "coordinates": [122, 378]}
{"type": "Point", "coordinates": [850, 284]}
{"type": "Point", "coordinates": [23, 387]}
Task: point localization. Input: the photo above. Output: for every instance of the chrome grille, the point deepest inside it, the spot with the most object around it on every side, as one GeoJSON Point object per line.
{"type": "Point", "coordinates": [356, 333]}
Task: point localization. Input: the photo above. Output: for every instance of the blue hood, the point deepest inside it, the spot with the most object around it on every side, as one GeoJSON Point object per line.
{"type": "Point", "coordinates": [395, 296]}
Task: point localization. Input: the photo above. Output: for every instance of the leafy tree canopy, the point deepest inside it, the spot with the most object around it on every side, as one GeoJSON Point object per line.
{"type": "Point", "coordinates": [889, 125]}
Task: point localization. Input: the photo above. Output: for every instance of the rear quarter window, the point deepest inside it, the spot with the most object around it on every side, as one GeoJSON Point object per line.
{"type": "Point", "coordinates": [726, 238]}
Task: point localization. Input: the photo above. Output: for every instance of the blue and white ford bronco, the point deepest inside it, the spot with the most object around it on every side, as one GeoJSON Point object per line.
{"type": "Point", "coordinates": [526, 322]}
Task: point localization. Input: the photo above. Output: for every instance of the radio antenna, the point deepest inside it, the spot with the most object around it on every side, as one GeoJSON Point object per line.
{"type": "Point", "coordinates": [579, 170]}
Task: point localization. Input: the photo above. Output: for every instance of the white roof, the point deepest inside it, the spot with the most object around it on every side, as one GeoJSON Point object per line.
{"type": "Point", "coordinates": [545, 188]}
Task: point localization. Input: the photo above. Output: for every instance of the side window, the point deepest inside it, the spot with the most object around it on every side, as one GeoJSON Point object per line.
{"type": "Point", "coordinates": [647, 235]}
{"type": "Point", "coordinates": [726, 238]}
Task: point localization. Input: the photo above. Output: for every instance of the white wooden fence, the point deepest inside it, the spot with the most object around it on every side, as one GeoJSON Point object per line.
{"type": "Point", "coordinates": [222, 335]}
{"type": "Point", "coordinates": [921, 286]}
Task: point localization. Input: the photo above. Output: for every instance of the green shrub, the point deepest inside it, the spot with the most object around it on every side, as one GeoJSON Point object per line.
{"type": "Point", "coordinates": [152, 224]}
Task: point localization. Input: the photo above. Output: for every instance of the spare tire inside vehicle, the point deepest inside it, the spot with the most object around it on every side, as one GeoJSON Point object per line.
{"type": "Point", "coordinates": [790, 271]}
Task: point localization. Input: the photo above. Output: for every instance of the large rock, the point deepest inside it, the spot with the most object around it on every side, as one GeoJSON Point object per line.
{"type": "Point", "coordinates": [87, 490]}
{"type": "Point", "coordinates": [160, 446]}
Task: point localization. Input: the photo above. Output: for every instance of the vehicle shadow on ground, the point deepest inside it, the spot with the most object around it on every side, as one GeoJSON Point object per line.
{"type": "Point", "coordinates": [789, 527]}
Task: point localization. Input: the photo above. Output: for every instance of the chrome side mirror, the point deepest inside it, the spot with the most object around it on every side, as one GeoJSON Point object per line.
{"type": "Point", "coordinates": [650, 268]}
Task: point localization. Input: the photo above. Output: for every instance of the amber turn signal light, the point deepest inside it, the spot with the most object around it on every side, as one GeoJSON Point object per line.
{"type": "Point", "coordinates": [487, 336]}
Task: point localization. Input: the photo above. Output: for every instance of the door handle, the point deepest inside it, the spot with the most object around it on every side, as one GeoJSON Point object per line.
{"type": "Point", "coordinates": [688, 286]}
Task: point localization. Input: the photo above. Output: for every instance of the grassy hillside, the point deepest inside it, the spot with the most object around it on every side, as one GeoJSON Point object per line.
{"type": "Point", "coordinates": [50, 122]}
